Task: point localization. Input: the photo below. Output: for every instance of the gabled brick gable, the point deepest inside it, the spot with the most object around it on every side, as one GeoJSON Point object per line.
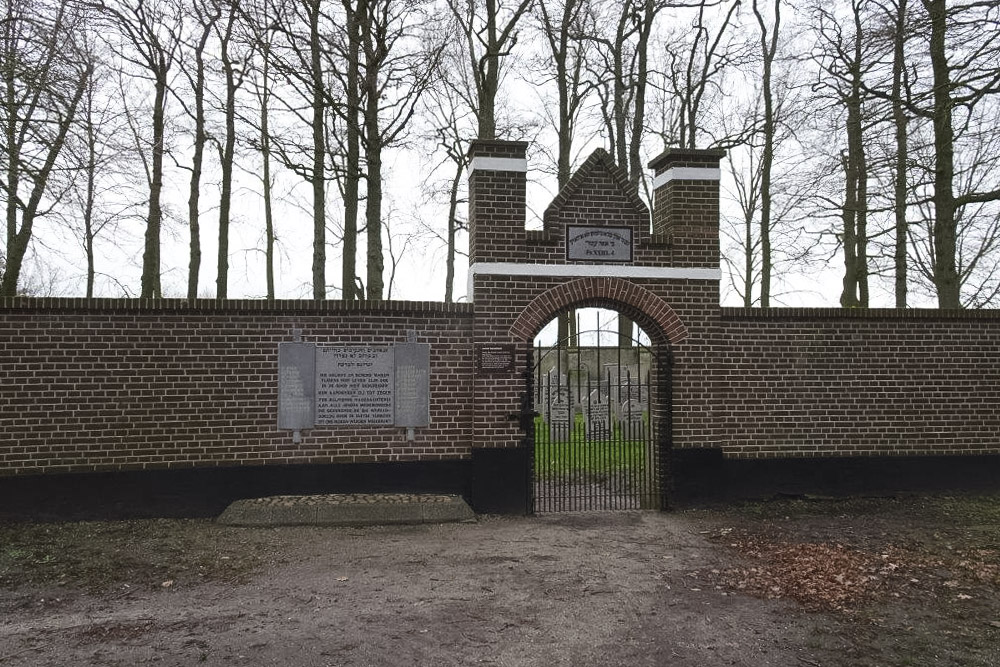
{"type": "Point", "coordinates": [598, 186]}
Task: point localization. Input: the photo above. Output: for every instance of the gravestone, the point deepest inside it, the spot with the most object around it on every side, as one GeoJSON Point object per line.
{"type": "Point", "coordinates": [597, 416]}
{"type": "Point", "coordinates": [631, 416]}
{"type": "Point", "coordinates": [560, 419]}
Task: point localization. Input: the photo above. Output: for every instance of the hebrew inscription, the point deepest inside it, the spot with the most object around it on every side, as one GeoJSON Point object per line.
{"type": "Point", "coordinates": [599, 244]}
{"type": "Point", "coordinates": [354, 385]}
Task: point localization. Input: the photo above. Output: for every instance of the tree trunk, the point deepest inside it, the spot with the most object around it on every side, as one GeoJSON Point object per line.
{"type": "Point", "coordinates": [945, 233]}
{"type": "Point", "coordinates": [194, 196]}
{"type": "Point", "coordinates": [150, 283]}
{"type": "Point", "coordinates": [349, 270]}
{"type": "Point", "coordinates": [902, 154]}
{"type": "Point", "coordinates": [373, 205]}
{"type": "Point", "coordinates": [768, 50]}
{"type": "Point", "coordinates": [449, 278]}
{"type": "Point", "coordinates": [227, 157]}
{"type": "Point", "coordinates": [90, 192]}
{"type": "Point", "coordinates": [319, 155]}
{"type": "Point", "coordinates": [265, 149]}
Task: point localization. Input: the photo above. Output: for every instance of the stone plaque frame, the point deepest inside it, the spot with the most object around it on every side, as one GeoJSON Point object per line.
{"type": "Point", "coordinates": [412, 388]}
{"type": "Point", "coordinates": [296, 386]}
{"type": "Point", "coordinates": [598, 244]}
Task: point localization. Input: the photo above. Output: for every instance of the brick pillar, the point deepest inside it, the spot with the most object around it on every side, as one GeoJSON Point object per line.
{"type": "Point", "coordinates": [686, 204]}
{"type": "Point", "coordinates": [497, 200]}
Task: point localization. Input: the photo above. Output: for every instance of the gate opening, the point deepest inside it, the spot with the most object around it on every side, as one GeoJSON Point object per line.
{"type": "Point", "coordinates": [594, 438]}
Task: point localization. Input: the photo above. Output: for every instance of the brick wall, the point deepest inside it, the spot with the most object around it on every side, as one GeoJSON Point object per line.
{"type": "Point", "coordinates": [120, 385]}
{"type": "Point", "coordinates": [813, 382]}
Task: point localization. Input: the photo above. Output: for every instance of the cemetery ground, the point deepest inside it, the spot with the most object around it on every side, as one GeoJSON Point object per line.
{"type": "Point", "coordinates": [809, 582]}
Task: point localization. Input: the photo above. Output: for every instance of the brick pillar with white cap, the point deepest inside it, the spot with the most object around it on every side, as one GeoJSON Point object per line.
{"type": "Point", "coordinates": [497, 199]}
{"type": "Point", "coordinates": [686, 205]}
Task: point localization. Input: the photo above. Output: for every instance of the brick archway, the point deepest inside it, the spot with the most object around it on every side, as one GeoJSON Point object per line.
{"type": "Point", "coordinates": [637, 303]}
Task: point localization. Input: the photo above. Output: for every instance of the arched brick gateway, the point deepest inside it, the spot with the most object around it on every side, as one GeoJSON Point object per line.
{"type": "Point", "coordinates": [635, 302]}
{"type": "Point", "coordinates": [596, 248]}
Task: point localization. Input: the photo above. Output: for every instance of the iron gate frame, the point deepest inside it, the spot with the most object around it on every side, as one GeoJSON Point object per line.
{"type": "Point", "coordinates": [660, 408]}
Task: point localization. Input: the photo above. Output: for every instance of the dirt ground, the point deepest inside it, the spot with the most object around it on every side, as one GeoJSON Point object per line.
{"type": "Point", "coordinates": [862, 582]}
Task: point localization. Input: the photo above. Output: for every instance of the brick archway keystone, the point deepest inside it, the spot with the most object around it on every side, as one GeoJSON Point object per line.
{"type": "Point", "coordinates": [634, 301]}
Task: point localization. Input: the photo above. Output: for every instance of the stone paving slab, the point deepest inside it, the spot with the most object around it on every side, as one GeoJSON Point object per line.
{"type": "Point", "coordinates": [347, 509]}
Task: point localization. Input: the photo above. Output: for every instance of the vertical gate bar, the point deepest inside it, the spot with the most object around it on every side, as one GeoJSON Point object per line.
{"type": "Point", "coordinates": [606, 449]}
{"type": "Point", "coordinates": [577, 445]}
{"type": "Point", "coordinates": [639, 453]}
{"type": "Point", "coordinates": [627, 469]}
{"type": "Point", "coordinates": [558, 439]}
{"type": "Point", "coordinates": [649, 447]}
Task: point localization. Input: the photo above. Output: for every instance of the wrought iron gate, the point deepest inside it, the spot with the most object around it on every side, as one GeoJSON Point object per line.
{"type": "Point", "coordinates": [594, 438]}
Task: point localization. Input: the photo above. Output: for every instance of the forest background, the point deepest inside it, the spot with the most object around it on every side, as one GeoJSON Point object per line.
{"type": "Point", "coordinates": [317, 148]}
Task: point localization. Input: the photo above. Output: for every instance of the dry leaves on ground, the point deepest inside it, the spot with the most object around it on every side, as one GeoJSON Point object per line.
{"type": "Point", "coordinates": [819, 576]}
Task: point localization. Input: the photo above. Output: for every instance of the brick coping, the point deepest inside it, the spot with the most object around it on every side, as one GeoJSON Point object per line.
{"type": "Point", "coordinates": [817, 314]}
{"type": "Point", "coordinates": [308, 306]}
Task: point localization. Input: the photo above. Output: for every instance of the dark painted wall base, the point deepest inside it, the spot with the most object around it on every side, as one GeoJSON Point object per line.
{"type": "Point", "coordinates": [495, 481]}
{"type": "Point", "coordinates": [500, 481]}
{"type": "Point", "coordinates": [205, 492]}
{"type": "Point", "coordinates": [704, 476]}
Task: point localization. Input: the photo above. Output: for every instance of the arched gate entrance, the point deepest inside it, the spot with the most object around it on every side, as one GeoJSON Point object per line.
{"type": "Point", "coordinates": [598, 435]}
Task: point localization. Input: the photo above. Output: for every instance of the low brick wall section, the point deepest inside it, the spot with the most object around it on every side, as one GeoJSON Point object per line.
{"type": "Point", "coordinates": [811, 382]}
{"type": "Point", "coordinates": [107, 384]}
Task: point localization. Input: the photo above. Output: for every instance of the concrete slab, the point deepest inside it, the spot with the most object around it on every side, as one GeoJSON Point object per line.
{"type": "Point", "coordinates": [347, 509]}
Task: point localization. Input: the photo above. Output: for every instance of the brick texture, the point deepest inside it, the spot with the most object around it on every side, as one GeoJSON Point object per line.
{"type": "Point", "coordinates": [117, 385]}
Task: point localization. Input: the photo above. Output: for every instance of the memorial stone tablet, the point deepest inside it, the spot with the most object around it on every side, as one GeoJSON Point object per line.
{"type": "Point", "coordinates": [296, 385]}
{"type": "Point", "coordinates": [412, 384]}
{"type": "Point", "coordinates": [599, 244]}
{"type": "Point", "coordinates": [354, 385]}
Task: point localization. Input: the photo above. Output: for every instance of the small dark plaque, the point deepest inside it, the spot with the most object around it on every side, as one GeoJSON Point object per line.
{"type": "Point", "coordinates": [599, 244]}
{"type": "Point", "coordinates": [495, 358]}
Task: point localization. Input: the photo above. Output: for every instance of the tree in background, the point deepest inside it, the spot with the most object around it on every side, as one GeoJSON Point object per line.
{"type": "Point", "coordinates": [45, 76]}
{"type": "Point", "coordinates": [489, 32]}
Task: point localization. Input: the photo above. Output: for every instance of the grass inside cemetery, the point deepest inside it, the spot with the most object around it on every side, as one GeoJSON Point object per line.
{"type": "Point", "coordinates": [573, 452]}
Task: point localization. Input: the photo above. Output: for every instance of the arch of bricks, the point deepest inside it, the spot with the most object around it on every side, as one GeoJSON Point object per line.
{"type": "Point", "coordinates": [636, 302]}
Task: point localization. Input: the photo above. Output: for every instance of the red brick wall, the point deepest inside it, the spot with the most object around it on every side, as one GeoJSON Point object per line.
{"type": "Point", "coordinates": [811, 382]}
{"type": "Point", "coordinates": [117, 385]}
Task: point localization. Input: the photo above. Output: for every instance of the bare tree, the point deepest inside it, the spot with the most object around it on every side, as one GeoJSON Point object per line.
{"type": "Point", "coordinates": [699, 57]}
{"type": "Point", "coordinates": [306, 64]}
{"type": "Point", "coordinates": [489, 31]}
{"type": "Point", "coordinates": [769, 32]}
{"type": "Point", "coordinates": [844, 59]}
{"type": "Point", "coordinates": [44, 80]}
{"type": "Point", "coordinates": [146, 38]}
{"type": "Point", "coordinates": [963, 59]}
{"type": "Point", "coordinates": [205, 14]}
{"type": "Point", "coordinates": [235, 72]}
{"type": "Point", "coordinates": [400, 57]}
